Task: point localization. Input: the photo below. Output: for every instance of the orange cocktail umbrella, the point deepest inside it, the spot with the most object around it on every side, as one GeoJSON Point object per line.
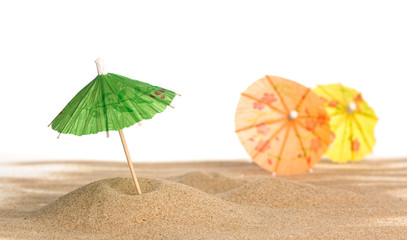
{"type": "Point", "coordinates": [282, 125]}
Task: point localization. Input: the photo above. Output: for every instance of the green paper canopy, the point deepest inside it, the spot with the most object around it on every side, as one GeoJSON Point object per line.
{"type": "Point", "coordinates": [111, 102]}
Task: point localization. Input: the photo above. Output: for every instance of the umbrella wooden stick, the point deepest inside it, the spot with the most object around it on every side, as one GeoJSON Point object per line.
{"type": "Point", "coordinates": [126, 151]}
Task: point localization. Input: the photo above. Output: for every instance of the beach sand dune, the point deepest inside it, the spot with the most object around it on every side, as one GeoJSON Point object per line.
{"type": "Point", "coordinates": [222, 200]}
{"type": "Point", "coordinates": [277, 192]}
{"type": "Point", "coordinates": [211, 182]}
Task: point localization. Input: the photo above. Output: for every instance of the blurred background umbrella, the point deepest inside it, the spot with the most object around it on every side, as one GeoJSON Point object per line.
{"type": "Point", "coordinates": [282, 125]}
{"type": "Point", "coordinates": [110, 103]}
{"type": "Point", "coordinates": [352, 122]}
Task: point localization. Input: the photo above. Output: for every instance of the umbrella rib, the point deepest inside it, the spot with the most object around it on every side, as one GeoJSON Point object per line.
{"type": "Point", "coordinates": [363, 134]}
{"type": "Point", "coordinates": [343, 95]}
{"type": "Point", "coordinates": [305, 95]}
{"type": "Point", "coordinates": [282, 148]}
{"type": "Point", "coordinates": [335, 114]}
{"type": "Point", "coordinates": [366, 115]}
{"type": "Point", "coordinates": [344, 137]}
{"type": "Point", "coordinates": [306, 117]}
{"type": "Point", "coordinates": [88, 118]}
{"type": "Point", "coordinates": [330, 115]}
{"type": "Point", "coordinates": [116, 92]}
{"type": "Point", "coordinates": [301, 144]}
{"type": "Point", "coordinates": [266, 122]}
{"type": "Point", "coordinates": [265, 103]}
{"type": "Point", "coordinates": [331, 96]}
{"type": "Point", "coordinates": [102, 90]}
{"type": "Point", "coordinates": [336, 128]}
{"type": "Point", "coordinates": [351, 132]}
{"type": "Point", "coordinates": [278, 93]}
{"type": "Point", "coordinates": [76, 108]}
{"type": "Point", "coordinates": [313, 133]}
{"type": "Point", "coordinates": [268, 140]}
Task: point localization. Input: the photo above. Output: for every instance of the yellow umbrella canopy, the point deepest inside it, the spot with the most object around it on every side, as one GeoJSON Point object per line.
{"type": "Point", "coordinates": [352, 122]}
{"type": "Point", "coordinates": [282, 125]}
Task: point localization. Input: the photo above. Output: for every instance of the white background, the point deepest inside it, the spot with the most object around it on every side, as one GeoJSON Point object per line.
{"type": "Point", "coordinates": [209, 51]}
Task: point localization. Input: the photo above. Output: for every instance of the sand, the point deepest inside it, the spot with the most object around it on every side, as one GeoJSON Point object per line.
{"type": "Point", "coordinates": [204, 200]}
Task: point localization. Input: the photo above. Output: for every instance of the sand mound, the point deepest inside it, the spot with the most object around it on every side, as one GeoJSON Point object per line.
{"type": "Point", "coordinates": [211, 183]}
{"type": "Point", "coordinates": [344, 204]}
{"type": "Point", "coordinates": [111, 205]}
{"type": "Point", "coordinates": [277, 192]}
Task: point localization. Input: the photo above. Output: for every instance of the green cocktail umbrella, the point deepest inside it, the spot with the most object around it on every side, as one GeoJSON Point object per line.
{"type": "Point", "coordinates": [110, 103]}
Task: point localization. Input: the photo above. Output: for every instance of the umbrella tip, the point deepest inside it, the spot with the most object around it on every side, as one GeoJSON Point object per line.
{"type": "Point", "coordinates": [100, 65]}
{"type": "Point", "coordinates": [293, 115]}
{"type": "Point", "coordinates": [99, 60]}
{"type": "Point", "coordinates": [351, 108]}
{"type": "Point", "coordinates": [178, 94]}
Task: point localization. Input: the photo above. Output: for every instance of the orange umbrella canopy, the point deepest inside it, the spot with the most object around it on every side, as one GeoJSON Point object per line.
{"type": "Point", "coordinates": [282, 125]}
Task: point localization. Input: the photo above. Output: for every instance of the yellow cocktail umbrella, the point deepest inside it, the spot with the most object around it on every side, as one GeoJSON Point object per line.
{"type": "Point", "coordinates": [352, 123]}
